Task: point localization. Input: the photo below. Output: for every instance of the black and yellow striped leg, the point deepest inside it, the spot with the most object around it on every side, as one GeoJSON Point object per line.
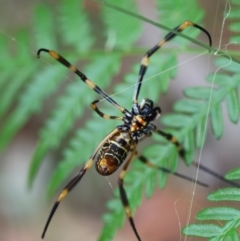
{"type": "Point", "coordinates": [181, 152]}
{"type": "Point", "coordinates": [123, 194]}
{"type": "Point", "coordinates": [212, 173]}
{"type": "Point", "coordinates": [95, 108]}
{"type": "Point", "coordinates": [145, 161]}
{"type": "Point", "coordinates": [83, 77]}
{"type": "Point", "coordinates": [65, 191]}
{"type": "Point", "coordinates": [75, 181]}
{"type": "Point", "coordinates": [145, 60]}
{"type": "Point", "coordinates": [172, 139]}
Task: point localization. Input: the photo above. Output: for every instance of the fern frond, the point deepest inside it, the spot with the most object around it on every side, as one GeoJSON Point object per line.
{"type": "Point", "coordinates": [9, 95]}
{"type": "Point", "coordinates": [122, 32]}
{"type": "Point", "coordinates": [74, 26]}
{"type": "Point", "coordinates": [44, 30]}
{"type": "Point", "coordinates": [36, 91]}
{"type": "Point", "coordinates": [10, 89]}
{"type": "Point", "coordinates": [228, 218]}
{"type": "Point", "coordinates": [195, 114]}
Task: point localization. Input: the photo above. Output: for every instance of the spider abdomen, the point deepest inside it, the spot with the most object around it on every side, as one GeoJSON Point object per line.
{"type": "Point", "coordinates": [112, 154]}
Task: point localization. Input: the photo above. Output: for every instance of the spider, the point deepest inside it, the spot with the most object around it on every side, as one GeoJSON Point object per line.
{"type": "Point", "coordinates": [120, 145]}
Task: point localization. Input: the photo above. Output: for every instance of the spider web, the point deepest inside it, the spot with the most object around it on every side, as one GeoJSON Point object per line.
{"type": "Point", "coordinates": [184, 196]}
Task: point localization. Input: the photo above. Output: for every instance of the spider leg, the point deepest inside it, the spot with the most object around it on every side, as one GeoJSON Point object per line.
{"type": "Point", "coordinates": [145, 161]}
{"type": "Point", "coordinates": [95, 108]}
{"type": "Point", "coordinates": [75, 181]}
{"type": "Point", "coordinates": [145, 60]}
{"type": "Point", "coordinates": [173, 140]}
{"type": "Point", "coordinates": [84, 78]}
{"type": "Point", "coordinates": [123, 194]}
{"type": "Point", "coordinates": [181, 152]}
{"type": "Point", "coordinates": [205, 169]}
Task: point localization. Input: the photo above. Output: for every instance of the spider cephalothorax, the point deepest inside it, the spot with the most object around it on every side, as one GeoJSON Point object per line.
{"type": "Point", "coordinates": [120, 145]}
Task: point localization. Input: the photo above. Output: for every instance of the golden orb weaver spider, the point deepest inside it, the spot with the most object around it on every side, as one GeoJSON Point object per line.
{"type": "Point", "coordinates": [121, 143]}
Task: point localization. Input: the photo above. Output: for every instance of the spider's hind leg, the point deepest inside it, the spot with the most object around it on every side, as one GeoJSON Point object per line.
{"type": "Point", "coordinates": [65, 191]}
{"type": "Point", "coordinates": [145, 161]}
{"type": "Point", "coordinates": [123, 194]}
{"type": "Point", "coordinates": [76, 180]}
{"type": "Point", "coordinates": [181, 152]}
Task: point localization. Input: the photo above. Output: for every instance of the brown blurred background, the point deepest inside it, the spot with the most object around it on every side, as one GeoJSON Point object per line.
{"type": "Point", "coordinates": [23, 212]}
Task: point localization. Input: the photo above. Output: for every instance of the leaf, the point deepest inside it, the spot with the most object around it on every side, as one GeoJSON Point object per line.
{"type": "Point", "coordinates": [202, 230]}
{"type": "Point", "coordinates": [227, 64]}
{"type": "Point", "coordinates": [187, 106]}
{"type": "Point", "coordinates": [218, 78]}
{"type": "Point", "coordinates": [198, 93]}
{"type": "Point", "coordinates": [201, 133]}
{"type": "Point", "coordinates": [234, 27]}
{"type": "Point", "coordinates": [232, 106]}
{"type": "Point", "coordinates": [150, 184]}
{"type": "Point", "coordinates": [216, 121]}
{"type": "Point", "coordinates": [34, 167]}
{"type": "Point", "coordinates": [233, 174]}
{"type": "Point", "coordinates": [232, 235]}
{"type": "Point", "coordinates": [218, 213]}
{"type": "Point", "coordinates": [230, 193]}
{"type": "Point", "coordinates": [175, 120]}
{"type": "Point", "coordinates": [188, 145]}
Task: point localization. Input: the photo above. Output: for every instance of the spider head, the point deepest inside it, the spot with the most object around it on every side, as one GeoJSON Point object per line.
{"type": "Point", "coordinates": [147, 111]}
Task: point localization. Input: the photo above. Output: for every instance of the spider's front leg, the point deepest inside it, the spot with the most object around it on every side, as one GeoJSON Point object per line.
{"type": "Point", "coordinates": [83, 77]}
{"type": "Point", "coordinates": [146, 58]}
{"type": "Point", "coordinates": [105, 116]}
